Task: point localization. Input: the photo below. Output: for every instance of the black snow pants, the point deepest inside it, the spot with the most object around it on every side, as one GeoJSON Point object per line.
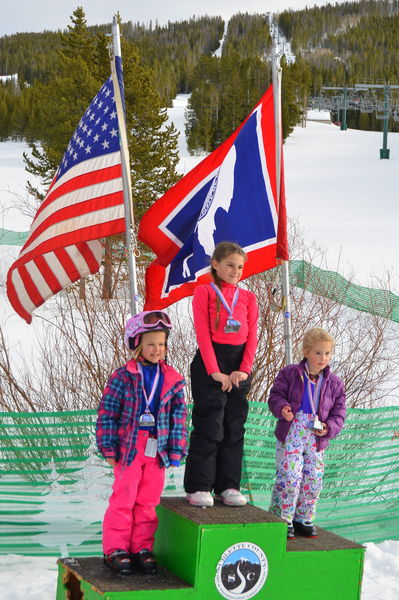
{"type": "Point", "coordinates": [216, 442]}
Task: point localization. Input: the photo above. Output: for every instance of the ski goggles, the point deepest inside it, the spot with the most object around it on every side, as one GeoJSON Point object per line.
{"type": "Point", "coordinates": [146, 321]}
{"type": "Point", "coordinates": [151, 319]}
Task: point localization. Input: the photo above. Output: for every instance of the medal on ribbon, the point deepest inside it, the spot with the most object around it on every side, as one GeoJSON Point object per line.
{"type": "Point", "coordinates": [147, 419]}
{"type": "Point", "coordinates": [314, 397]}
{"type": "Point", "coordinates": [232, 325]}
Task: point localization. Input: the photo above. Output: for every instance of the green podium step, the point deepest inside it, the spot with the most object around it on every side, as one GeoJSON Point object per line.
{"type": "Point", "coordinates": [89, 579]}
{"type": "Point", "coordinates": [223, 552]}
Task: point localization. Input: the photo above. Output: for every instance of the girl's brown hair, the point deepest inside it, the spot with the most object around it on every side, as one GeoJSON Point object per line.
{"type": "Point", "coordinates": [221, 251]}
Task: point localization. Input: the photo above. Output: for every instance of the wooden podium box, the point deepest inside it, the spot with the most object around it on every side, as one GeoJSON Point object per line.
{"type": "Point", "coordinates": [223, 552]}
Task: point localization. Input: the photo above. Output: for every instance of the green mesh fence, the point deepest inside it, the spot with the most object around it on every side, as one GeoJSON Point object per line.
{"type": "Point", "coordinates": [332, 285]}
{"type": "Point", "coordinates": [54, 488]}
{"type": "Point", "coordinates": [360, 497]}
{"type": "Point", "coordinates": [12, 238]}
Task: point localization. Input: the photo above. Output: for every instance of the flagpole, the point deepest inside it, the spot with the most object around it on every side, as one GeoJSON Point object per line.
{"type": "Point", "coordinates": [126, 180]}
{"type": "Point", "coordinates": [285, 282]}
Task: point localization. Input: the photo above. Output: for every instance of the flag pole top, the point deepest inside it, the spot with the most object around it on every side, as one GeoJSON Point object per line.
{"type": "Point", "coordinates": [116, 40]}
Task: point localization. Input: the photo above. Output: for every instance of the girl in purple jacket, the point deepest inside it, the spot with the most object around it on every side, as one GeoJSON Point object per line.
{"type": "Point", "coordinates": [140, 431]}
{"type": "Point", "coordinates": [309, 403]}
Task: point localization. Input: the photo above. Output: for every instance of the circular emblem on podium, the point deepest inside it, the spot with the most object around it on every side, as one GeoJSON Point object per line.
{"type": "Point", "coordinates": [241, 571]}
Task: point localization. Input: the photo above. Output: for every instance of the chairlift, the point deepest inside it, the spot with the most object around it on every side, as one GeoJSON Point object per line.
{"type": "Point", "coordinates": [366, 107]}
{"type": "Point", "coordinates": [355, 102]}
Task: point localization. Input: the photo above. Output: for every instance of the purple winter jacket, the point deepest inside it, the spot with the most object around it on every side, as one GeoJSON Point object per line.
{"type": "Point", "coordinates": [288, 389]}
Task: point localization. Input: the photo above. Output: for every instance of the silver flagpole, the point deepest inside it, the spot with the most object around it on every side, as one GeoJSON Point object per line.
{"type": "Point", "coordinates": [127, 184]}
{"type": "Point", "coordinates": [285, 282]}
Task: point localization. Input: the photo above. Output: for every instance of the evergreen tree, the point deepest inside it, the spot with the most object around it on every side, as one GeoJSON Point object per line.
{"type": "Point", "coordinates": [295, 88]}
{"type": "Point", "coordinates": [4, 132]}
{"type": "Point", "coordinates": [78, 42]}
{"type": "Point", "coordinates": [81, 69]}
{"type": "Point", "coordinates": [152, 143]}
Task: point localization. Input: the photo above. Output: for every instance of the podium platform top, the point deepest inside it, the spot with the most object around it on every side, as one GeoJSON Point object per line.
{"type": "Point", "coordinates": [219, 514]}
{"type": "Point", "coordinates": [93, 570]}
{"type": "Point", "coordinates": [326, 540]}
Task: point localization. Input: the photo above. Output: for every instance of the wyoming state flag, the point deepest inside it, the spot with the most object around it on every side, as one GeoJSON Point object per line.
{"type": "Point", "coordinates": [230, 196]}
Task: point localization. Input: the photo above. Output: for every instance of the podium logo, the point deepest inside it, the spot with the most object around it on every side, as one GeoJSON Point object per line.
{"type": "Point", "coordinates": [241, 571]}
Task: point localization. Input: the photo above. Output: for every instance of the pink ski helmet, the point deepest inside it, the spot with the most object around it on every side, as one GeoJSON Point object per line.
{"type": "Point", "coordinates": [149, 320]}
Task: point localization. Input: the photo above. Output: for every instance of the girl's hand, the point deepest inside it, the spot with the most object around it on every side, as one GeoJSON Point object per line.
{"type": "Point", "coordinates": [224, 380]}
{"type": "Point", "coordinates": [111, 461]}
{"type": "Point", "coordinates": [287, 413]}
{"type": "Point", "coordinates": [237, 376]}
{"type": "Point", "coordinates": [323, 432]}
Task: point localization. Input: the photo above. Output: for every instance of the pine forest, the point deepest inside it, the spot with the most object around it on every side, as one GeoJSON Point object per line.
{"type": "Point", "coordinates": [225, 67]}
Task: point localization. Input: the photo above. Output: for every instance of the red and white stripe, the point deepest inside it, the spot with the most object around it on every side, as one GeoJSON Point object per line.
{"type": "Point", "coordinates": [82, 206]}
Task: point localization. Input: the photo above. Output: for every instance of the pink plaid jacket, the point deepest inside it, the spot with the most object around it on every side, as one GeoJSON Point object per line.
{"type": "Point", "coordinates": [118, 413]}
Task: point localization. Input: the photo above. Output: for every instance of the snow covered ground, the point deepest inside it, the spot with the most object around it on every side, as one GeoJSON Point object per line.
{"type": "Point", "coordinates": [28, 577]}
{"type": "Point", "coordinates": [343, 197]}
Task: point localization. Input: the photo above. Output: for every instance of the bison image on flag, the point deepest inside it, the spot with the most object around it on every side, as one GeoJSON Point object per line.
{"type": "Point", "coordinates": [231, 195]}
{"type": "Point", "coordinates": [83, 204]}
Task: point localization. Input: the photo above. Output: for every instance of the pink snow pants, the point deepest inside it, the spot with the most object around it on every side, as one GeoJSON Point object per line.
{"type": "Point", "coordinates": [130, 520]}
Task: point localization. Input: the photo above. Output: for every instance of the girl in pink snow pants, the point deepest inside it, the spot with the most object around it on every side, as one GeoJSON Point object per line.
{"type": "Point", "coordinates": [140, 430]}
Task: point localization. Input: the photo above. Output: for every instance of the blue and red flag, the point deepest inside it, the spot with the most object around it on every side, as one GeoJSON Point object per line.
{"type": "Point", "coordinates": [230, 195]}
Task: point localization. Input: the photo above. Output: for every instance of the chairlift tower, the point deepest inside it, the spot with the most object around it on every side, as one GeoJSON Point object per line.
{"type": "Point", "coordinates": [386, 111]}
{"type": "Point", "coordinates": [345, 102]}
{"type": "Point", "coordinates": [363, 97]}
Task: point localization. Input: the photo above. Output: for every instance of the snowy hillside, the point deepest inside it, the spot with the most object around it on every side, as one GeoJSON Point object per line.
{"type": "Point", "coordinates": [342, 195]}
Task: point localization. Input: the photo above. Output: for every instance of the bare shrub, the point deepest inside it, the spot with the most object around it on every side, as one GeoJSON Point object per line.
{"type": "Point", "coordinates": [366, 353]}
{"type": "Point", "coordinates": [80, 343]}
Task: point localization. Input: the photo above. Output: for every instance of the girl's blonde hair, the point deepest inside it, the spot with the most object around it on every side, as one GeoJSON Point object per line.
{"type": "Point", "coordinates": [314, 336]}
{"type": "Point", "coordinates": [137, 351]}
{"type": "Point", "coordinates": [223, 250]}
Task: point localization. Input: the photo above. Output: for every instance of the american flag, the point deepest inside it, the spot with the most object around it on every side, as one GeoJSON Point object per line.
{"type": "Point", "coordinates": [83, 204]}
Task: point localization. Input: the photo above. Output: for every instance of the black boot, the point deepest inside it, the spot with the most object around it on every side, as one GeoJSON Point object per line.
{"type": "Point", "coordinates": [119, 561]}
{"type": "Point", "coordinates": [145, 561]}
{"type": "Point", "coordinates": [290, 532]}
{"type": "Point", "coordinates": [307, 528]}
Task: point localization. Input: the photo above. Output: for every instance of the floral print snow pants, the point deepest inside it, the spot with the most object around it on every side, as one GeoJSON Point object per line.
{"type": "Point", "coordinates": [299, 473]}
